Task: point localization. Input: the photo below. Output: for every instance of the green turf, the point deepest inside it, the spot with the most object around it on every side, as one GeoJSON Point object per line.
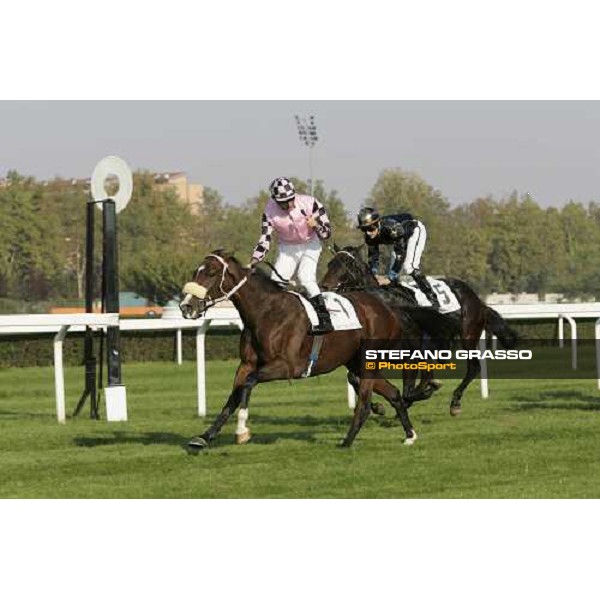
{"type": "Point", "coordinates": [532, 439]}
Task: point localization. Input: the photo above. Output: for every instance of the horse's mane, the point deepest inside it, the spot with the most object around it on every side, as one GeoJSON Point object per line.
{"type": "Point", "coordinates": [258, 275]}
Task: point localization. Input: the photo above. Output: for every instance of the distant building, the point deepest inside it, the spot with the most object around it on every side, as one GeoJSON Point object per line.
{"type": "Point", "coordinates": [190, 193]}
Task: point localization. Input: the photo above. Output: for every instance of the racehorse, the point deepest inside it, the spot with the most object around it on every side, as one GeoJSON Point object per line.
{"type": "Point", "coordinates": [347, 271]}
{"type": "Point", "coordinates": [275, 343]}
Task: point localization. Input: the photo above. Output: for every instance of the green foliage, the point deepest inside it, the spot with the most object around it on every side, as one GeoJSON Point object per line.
{"type": "Point", "coordinates": [158, 242]}
{"type": "Point", "coordinates": [498, 245]}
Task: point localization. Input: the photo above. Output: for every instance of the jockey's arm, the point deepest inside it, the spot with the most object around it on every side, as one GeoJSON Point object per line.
{"type": "Point", "coordinates": [373, 258]}
{"type": "Point", "coordinates": [319, 220]}
{"type": "Point", "coordinates": [264, 242]}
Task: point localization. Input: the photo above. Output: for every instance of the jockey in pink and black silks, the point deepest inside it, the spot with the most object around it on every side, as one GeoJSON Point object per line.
{"type": "Point", "coordinates": [300, 223]}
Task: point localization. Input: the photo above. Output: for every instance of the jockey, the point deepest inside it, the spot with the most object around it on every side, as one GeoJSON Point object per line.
{"type": "Point", "coordinates": [300, 222]}
{"type": "Point", "coordinates": [407, 237]}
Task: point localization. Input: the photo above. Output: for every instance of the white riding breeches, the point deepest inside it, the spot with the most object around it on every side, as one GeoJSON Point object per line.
{"type": "Point", "coordinates": [414, 249]}
{"type": "Point", "coordinates": [303, 257]}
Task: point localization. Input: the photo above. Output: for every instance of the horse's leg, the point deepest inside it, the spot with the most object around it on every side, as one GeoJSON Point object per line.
{"type": "Point", "coordinates": [242, 432]}
{"type": "Point", "coordinates": [409, 379]}
{"type": "Point", "coordinates": [473, 369]}
{"type": "Point", "coordinates": [246, 379]}
{"type": "Point", "coordinates": [361, 412]}
{"type": "Point", "coordinates": [426, 388]}
{"type": "Point", "coordinates": [377, 408]}
{"type": "Point", "coordinates": [392, 394]}
{"type": "Point", "coordinates": [243, 383]}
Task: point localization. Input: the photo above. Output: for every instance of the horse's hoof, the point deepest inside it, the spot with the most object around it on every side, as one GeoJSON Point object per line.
{"type": "Point", "coordinates": [455, 411]}
{"type": "Point", "coordinates": [436, 384]}
{"type": "Point", "coordinates": [378, 409]}
{"type": "Point", "coordinates": [343, 444]}
{"type": "Point", "coordinates": [243, 438]}
{"type": "Point", "coordinates": [409, 441]}
{"type": "Point", "coordinates": [196, 445]}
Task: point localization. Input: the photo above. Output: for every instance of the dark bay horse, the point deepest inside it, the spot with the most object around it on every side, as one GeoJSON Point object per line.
{"type": "Point", "coordinates": [347, 271]}
{"type": "Point", "coordinates": [275, 343]}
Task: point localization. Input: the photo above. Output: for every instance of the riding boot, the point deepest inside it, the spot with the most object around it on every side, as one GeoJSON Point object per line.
{"type": "Point", "coordinates": [425, 287]}
{"type": "Point", "coordinates": [324, 325]}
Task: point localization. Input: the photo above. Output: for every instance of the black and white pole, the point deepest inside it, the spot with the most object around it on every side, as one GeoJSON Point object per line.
{"type": "Point", "coordinates": [91, 382]}
{"type": "Point", "coordinates": [307, 132]}
{"type": "Point", "coordinates": [112, 204]}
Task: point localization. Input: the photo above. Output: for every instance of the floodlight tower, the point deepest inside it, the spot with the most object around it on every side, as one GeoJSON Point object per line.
{"type": "Point", "coordinates": [307, 131]}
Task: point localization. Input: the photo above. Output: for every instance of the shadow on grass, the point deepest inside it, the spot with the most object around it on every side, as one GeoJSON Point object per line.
{"type": "Point", "coordinates": [564, 400]}
{"type": "Point", "coordinates": [171, 439]}
{"type": "Point", "coordinates": [302, 421]}
{"type": "Point", "coordinates": [277, 436]}
{"type": "Point", "coordinates": [146, 439]}
{"type": "Point", "coordinates": [18, 414]}
{"type": "Point", "coordinates": [334, 423]}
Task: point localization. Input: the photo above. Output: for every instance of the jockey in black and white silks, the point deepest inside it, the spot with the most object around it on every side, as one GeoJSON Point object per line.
{"type": "Point", "coordinates": [407, 236]}
{"type": "Point", "coordinates": [300, 223]}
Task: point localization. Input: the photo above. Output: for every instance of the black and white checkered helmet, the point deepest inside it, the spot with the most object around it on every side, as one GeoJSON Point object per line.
{"type": "Point", "coordinates": [282, 190]}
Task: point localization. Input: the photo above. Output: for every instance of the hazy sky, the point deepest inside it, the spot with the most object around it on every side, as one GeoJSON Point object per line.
{"type": "Point", "coordinates": [465, 149]}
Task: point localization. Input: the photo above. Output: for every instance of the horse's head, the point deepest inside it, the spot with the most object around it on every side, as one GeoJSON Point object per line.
{"type": "Point", "coordinates": [217, 272]}
{"type": "Point", "coordinates": [347, 270]}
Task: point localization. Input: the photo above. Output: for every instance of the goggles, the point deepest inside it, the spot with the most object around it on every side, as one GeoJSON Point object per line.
{"type": "Point", "coordinates": [372, 227]}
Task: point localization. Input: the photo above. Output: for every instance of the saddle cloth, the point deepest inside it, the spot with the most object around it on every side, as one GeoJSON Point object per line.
{"type": "Point", "coordinates": [446, 297]}
{"type": "Point", "coordinates": [343, 315]}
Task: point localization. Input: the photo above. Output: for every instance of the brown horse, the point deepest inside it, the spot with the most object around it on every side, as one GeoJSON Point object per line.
{"type": "Point", "coordinates": [347, 271]}
{"type": "Point", "coordinates": [276, 344]}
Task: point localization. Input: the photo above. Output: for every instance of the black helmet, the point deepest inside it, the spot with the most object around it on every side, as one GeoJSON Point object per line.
{"type": "Point", "coordinates": [367, 217]}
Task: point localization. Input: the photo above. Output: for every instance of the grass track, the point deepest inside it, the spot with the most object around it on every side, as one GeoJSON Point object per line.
{"type": "Point", "coordinates": [531, 439]}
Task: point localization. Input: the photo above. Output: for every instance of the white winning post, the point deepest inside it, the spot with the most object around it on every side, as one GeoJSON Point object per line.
{"type": "Point", "coordinates": [115, 393]}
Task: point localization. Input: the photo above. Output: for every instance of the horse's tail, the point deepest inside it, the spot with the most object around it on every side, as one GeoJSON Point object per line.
{"type": "Point", "coordinates": [494, 323]}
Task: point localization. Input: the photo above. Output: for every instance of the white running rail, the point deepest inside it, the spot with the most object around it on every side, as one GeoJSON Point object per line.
{"type": "Point", "coordinates": [229, 317]}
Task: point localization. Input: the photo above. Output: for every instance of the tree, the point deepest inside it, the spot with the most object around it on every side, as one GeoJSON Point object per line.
{"type": "Point", "coordinates": [30, 244]}
{"type": "Point", "coordinates": [158, 242]}
{"type": "Point", "coordinates": [398, 191]}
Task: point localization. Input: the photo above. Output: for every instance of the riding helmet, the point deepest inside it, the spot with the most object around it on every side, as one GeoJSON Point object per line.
{"type": "Point", "coordinates": [367, 217]}
{"type": "Point", "coordinates": [282, 190]}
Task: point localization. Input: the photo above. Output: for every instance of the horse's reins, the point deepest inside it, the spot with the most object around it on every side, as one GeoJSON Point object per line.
{"type": "Point", "coordinates": [353, 275]}
{"type": "Point", "coordinates": [272, 267]}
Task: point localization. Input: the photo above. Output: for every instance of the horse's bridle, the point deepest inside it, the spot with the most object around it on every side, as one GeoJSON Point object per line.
{"type": "Point", "coordinates": [226, 295]}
